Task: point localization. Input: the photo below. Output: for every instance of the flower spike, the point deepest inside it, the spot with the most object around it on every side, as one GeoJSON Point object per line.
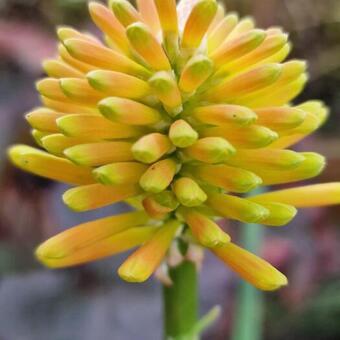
{"type": "Point", "coordinates": [177, 111]}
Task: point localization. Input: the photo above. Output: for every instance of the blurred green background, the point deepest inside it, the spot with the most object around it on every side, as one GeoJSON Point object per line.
{"type": "Point", "coordinates": [90, 302]}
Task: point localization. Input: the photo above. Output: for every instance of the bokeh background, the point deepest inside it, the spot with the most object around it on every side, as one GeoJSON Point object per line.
{"type": "Point", "coordinates": [90, 302]}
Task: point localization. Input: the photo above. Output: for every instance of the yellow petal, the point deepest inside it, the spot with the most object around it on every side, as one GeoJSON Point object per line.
{"type": "Point", "coordinates": [110, 25]}
{"type": "Point", "coordinates": [159, 205]}
{"type": "Point", "coordinates": [220, 13]}
{"type": "Point", "coordinates": [147, 46]}
{"type": "Point", "coordinates": [95, 127]}
{"type": "Point", "coordinates": [272, 44]}
{"type": "Point", "coordinates": [182, 134]}
{"type": "Point", "coordinates": [198, 22]}
{"type": "Point", "coordinates": [237, 208]}
{"type": "Point", "coordinates": [224, 114]}
{"type": "Point", "coordinates": [87, 234]}
{"type": "Point", "coordinates": [118, 84]}
{"type": "Point", "coordinates": [124, 12]}
{"type": "Point", "coordinates": [89, 197]}
{"type": "Point", "coordinates": [79, 90]}
{"type": "Point", "coordinates": [271, 159]}
{"type": "Point", "coordinates": [315, 195]}
{"type": "Point", "coordinates": [188, 192]}
{"type": "Point", "coordinates": [51, 253]}
{"type": "Point", "coordinates": [280, 118]}
{"type": "Point", "coordinates": [210, 150]}
{"type": "Point", "coordinates": [251, 268]}
{"type": "Point", "coordinates": [43, 164]}
{"type": "Point", "coordinates": [245, 83]}
{"type": "Point", "coordinates": [39, 135]}
{"type": "Point", "coordinates": [68, 107]}
{"type": "Point", "coordinates": [120, 173]}
{"type": "Point", "coordinates": [245, 25]}
{"type": "Point", "coordinates": [195, 72]}
{"type": "Point", "coordinates": [127, 111]}
{"type": "Point", "coordinates": [236, 48]}
{"type": "Point", "coordinates": [43, 119]}
{"type": "Point", "coordinates": [316, 114]}
{"type": "Point", "coordinates": [310, 167]}
{"type": "Point", "coordinates": [50, 88]}
{"type": "Point", "coordinates": [65, 32]}
{"type": "Point", "coordinates": [205, 230]}
{"type": "Point", "coordinates": [143, 262]}
{"type": "Point", "coordinates": [152, 147]}
{"type": "Point", "coordinates": [68, 59]}
{"type": "Point", "coordinates": [291, 79]}
{"type": "Point", "coordinates": [148, 12]}
{"type": "Point", "coordinates": [167, 13]}
{"type": "Point", "coordinates": [279, 214]}
{"type": "Point", "coordinates": [249, 137]}
{"type": "Point", "coordinates": [59, 69]}
{"type": "Point", "coordinates": [56, 143]}
{"type": "Point", "coordinates": [221, 31]}
{"type": "Point", "coordinates": [165, 88]}
{"type": "Point", "coordinates": [158, 176]}
{"type": "Point", "coordinates": [95, 154]}
{"type": "Point", "coordinates": [103, 57]}
{"type": "Point", "coordinates": [229, 178]}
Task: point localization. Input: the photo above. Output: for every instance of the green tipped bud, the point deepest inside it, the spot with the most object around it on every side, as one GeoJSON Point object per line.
{"type": "Point", "coordinates": [147, 46]}
{"type": "Point", "coordinates": [165, 88]}
{"type": "Point", "coordinates": [188, 192]}
{"type": "Point", "coordinates": [118, 84]}
{"type": "Point", "coordinates": [195, 73]}
{"type": "Point", "coordinates": [158, 205]}
{"type": "Point", "coordinates": [120, 173]}
{"type": "Point", "coordinates": [127, 111]}
{"type": "Point", "coordinates": [182, 134]}
{"type": "Point", "coordinates": [229, 178]}
{"type": "Point", "coordinates": [279, 214]}
{"type": "Point", "coordinates": [210, 150]}
{"type": "Point", "coordinates": [124, 12]}
{"type": "Point", "coordinates": [237, 208]}
{"type": "Point", "coordinates": [199, 20]}
{"type": "Point", "coordinates": [158, 176]}
{"type": "Point", "coordinates": [152, 147]}
{"type": "Point", "coordinates": [205, 230]}
{"type": "Point", "coordinates": [39, 135]}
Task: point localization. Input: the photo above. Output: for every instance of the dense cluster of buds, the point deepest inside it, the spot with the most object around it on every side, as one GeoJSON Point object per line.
{"type": "Point", "coordinates": [179, 118]}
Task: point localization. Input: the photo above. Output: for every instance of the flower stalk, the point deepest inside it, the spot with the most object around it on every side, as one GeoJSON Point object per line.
{"type": "Point", "coordinates": [181, 301]}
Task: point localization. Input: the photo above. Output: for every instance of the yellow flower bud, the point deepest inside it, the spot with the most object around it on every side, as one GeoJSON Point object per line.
{"type": "Point", "coordinates": [165, 87]}
{"type": "Point", "coordinates": [210, 150]}
{"type": "Point", "coordinates": [158, 176]}
{"type": "Point", "coordinates": [205, 230]}
{"type": "Point", "coordinates": [251, 268]}
{"type": "Point", "coordinates": [127, 111]}
{"type": "Point", "coordinates": [188, 192]}
{"type": "Point", "coordinates": [151, 147]}
{"type": "Point", "coordinates": [120, 173]}
{"type": "Point", "coordinates": [143, 262]}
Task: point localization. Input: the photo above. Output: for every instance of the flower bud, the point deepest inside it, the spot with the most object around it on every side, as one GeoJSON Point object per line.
{"type": "Point", "coordinates": [152, 147]}
{"type": "Point", "coordinates": [158, 176]}
{"type": "Point", "coordinates": [188, 192]}
{"type": "Point", "coordinates": [120, 173]}
{"type": "Point", "coordinates": [182, 134]}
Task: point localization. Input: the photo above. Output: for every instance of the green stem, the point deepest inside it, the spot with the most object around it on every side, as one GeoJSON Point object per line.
{"type": "Point", "coordinates": [248, 320]}
{"type": "Point", "coordinates": [181, 301]}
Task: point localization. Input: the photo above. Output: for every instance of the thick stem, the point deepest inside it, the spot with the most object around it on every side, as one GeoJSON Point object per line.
{"type": "Point", "coordinates": [181, 301]}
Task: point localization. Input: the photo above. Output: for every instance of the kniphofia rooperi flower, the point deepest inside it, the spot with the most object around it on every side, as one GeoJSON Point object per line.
{"type": "Point", "coordinates": [177, 120]}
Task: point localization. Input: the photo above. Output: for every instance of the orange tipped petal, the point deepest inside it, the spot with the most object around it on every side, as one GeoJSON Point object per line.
{"type": "Point", "coordinates": [251, 268]}
{"type": "Point", "coordinates": [143, 262]}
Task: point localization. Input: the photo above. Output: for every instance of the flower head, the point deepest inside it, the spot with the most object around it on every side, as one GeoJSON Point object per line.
{"type": "Point", "coordinates": [177, 113]}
